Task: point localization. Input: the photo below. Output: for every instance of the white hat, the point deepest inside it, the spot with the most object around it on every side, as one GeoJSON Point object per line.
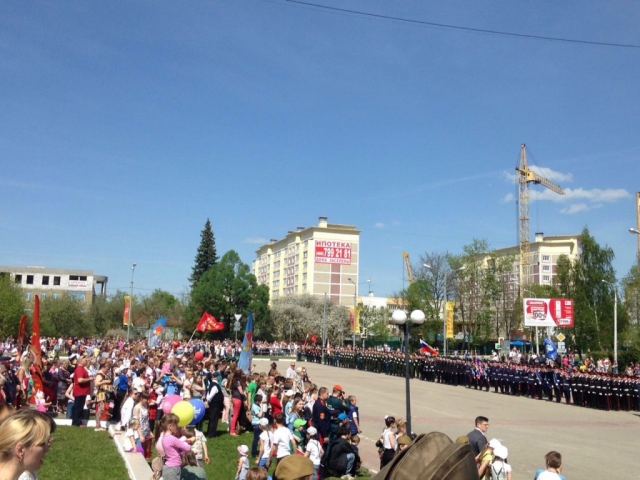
{"type": "Point", "coordinates": [118, 370]}
{"type": "Point", "coordinates": [264, 422]}
{"type": "Point", "coordinates": [289, 393]}
{"type": "Point", "coordinates": [312, 431]}
{"type": "Point", "coordinates": [243, 450]}
{"type": "Point", "coordinates": [501, 452]}
{"type": "Point", "coordinates": [495, 443]}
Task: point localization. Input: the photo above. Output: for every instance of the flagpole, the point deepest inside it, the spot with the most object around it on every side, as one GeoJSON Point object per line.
{"type": "Point", "coordinates": [194, 332]}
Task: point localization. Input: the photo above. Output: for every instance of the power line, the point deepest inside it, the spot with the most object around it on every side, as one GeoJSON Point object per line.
{"type": "Point", "coordinates": [458, 27]}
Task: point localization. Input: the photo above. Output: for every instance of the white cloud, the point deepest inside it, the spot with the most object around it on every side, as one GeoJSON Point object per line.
{"type": "Point", "coordinates": [575, 208]}
{"type": "Point", "coordinates": [255, 240]}
{"type": "Point", "coordinates": [379, 225]}
{"type": "Point", "coordinates": [509, 197]}
{"type": "Point", "coordinates": [594, 195]}
{"type": "Point", "coordinates": [510, 177]}
{"type": "Point", "coordinates": [552, 174]}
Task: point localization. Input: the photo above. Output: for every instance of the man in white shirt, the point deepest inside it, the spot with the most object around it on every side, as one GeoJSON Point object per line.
{"type": "Point", "coordinates": [282, 438]}
{"type": "Point", "coordinates": [291, 371]}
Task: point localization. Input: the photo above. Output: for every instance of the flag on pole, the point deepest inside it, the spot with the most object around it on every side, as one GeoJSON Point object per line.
{"type": "Point", "coordinates": [426, 348]}
{"type": "Point", "coordinates": [22, 330]}
{"type": "Point", "coordinates": [550, 350]}
{"type": "Point", "coordinates": [208, 323]}
{"type": "Point", "coordinates": [156, 331]}
{"type": "Point", "coordinates": [36, 351]}
{"type": "Point", "coordinates": [306, 340]}
{"type": "Point", "coordinates": [314, 338]}
{"type": "Point", "coordinates": [246, 353]}
{"type": "Point", "coordinates": [127, 310]}
{"type": "Point", "coordinates": [479, 368]}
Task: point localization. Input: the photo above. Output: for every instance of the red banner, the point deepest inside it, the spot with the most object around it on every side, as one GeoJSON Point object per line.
{"type": "Point", "coordinates": [208, 323]}
{"type": "Point", "coordinates": [22, 330]}
{"type": "Point", "coordinates": [34, 347]}
{"type": "Point", "coordinates": [127, 310]}
{"type": "Point", "coordinates": [333, 252]}
{"type": "Point", "coordinates": [548, 312]}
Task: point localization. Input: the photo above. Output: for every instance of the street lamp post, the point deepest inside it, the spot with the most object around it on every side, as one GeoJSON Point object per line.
{"type": "Point", "coordinates": [399, 318]}
{"type": "Point", "coordinates": [236, 325]}
{"type": "Point", "coordinates": [615, 321]}
{"type": "Point", "coordinates": [355, 309]}
{"type": "Point", "coordinates": [133, 268]}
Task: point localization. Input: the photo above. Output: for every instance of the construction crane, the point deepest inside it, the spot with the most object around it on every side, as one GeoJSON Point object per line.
{"type": "Point", "coordinates": [526, 177]}
{"type": "Point", "coordinates": [407, 264]}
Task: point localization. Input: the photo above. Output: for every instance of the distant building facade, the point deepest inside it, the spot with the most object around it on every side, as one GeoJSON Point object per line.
{"type": "Point", "coordinates": [316, 260]}
{"type": "Point", "coordinates": [83, 285]}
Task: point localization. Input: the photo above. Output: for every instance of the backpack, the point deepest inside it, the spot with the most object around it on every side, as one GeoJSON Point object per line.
{"type": "Point", "coordinates": [431, 457]}
{"type": "Point", "coordinates": [498, 473]}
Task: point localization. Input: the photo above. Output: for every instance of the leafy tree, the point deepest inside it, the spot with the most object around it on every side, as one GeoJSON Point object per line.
{"type": "Point", "coordinates": [590, 281]}
{"type": "Point", "coordinates": [631, 290]}
{"type": "Point", "coordinates": [159, 304]}
{"type": "Point", "coordinates": [302, 315]}
{"type": "Point", "coordinates": [375, 321]}
{"type": "Point", "coordinates": [12, 306]}
{"type": "Point", "coordinates": [206, 257]}
{"type": "Point", "coordinates": [106, 313]}
{"type": "Point", "coordinates": [64, 316]}
{"type": "Point", "coordinates": [227, 288]}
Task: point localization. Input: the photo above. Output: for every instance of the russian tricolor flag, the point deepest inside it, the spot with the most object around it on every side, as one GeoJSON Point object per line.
{"type": "Point", "coordinates": [426, 348]}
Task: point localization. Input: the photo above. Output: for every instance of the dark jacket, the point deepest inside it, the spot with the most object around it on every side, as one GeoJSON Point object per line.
{"type": "Point", "coordinates": [322, 418]}
{"type": "Point", "coordinates": [338, 456]}
{"type": "Point", "coordinates": [477, 440]}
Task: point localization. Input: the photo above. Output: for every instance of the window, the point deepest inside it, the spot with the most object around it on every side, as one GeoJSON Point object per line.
{"type": "Point", "coordinates": [77, 295]}
{"type": "Point", "coordinates": [43, 296]}
{"type": "Point", "coordinates": [29, 279]}
{"type": "Point", "coordinates": [304, 276]}
{"type": "Point", "coordinates": [304, 287]}
{"type": "Point", "coordinates": [297, 267]}
{"type": "Point", "coordinates": [45, 279]}
{"type": "Point", "coordinates": [296, 278]}
{"type": "Point", "coordinates": [304, 265]}
{"type": "Point", "coordinates": [56, 295]}
{"type": "Point", "coordinates": [306, 243]}
{"type": "Point", "coordinates": [545, 278]}
{"type": "Point", "coordinates": [297, 257]}
{"type": "Point", "coordinates": [18, 278]}
{"type": "Point", "coordinates": [545, 268]}
{"type": "Point", "coordinates": [56, 280]}
{"type": "Point", "coordinates": [27, 296]}
{"type": "Point", "coordinates": [305, 254]}
{"type": "Point", "coordinates": [276, 264]}
{"type": "Point", "coordinates": [297, 247]}
{"type": "Point", "coordinates": [546, 258]}
{"type": "Point", "coordinates": [295, 289]}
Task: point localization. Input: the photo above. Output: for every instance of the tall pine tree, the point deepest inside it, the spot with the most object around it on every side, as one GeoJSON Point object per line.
{"type": "Point", "coordinates": [206, 256]}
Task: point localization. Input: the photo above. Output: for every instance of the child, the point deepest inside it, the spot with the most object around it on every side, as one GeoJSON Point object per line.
{"type": "Point", "coordinates": [132, 441]}
{"type": "Point", "coordinates": [173, 447]}
{"type": "Point", "coordinates": [243, 463]}
{"type": "Point", "coordinates": [266, 440]}
{"type": "Point", "coordinates": [314, 451]}
{"type": "Point", "coordinates": [500, 469]}
{"type": "Point", "coordinates": [257, 473]}
{"type": "Point", "coordinates": [298, 433]}
{"type": "Point", "coordinates": [199, 445]}
{"type": "Point", "coordinates": [256, 415]}
{"type": "Point", "coordinates": [354, 415]}
{"type": "Point", "coordinates": [41, 405]}
{"type": "Point", "coordinates": [355, 441]}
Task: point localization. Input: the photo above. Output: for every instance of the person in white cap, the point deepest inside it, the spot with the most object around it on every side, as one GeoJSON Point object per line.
{"type": "Point", "coordinates": [485, 457]}
{"type": "Point", "coordinates": [314, 451]}
{"type": "Point", "coordinates": [266, 440]}
{"type": "Point", "coordinates": [500, 469]}
{"type": "Point", "coordinates": [243, 463]}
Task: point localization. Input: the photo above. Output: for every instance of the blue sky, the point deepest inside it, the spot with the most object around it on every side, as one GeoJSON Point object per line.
{"type": "Point", "coordinates": [124, 125]}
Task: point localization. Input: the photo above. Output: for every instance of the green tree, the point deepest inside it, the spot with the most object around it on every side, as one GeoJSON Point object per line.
{"type": "Point", "coordinates": [227, 288]}
{"type": "Point", "coordinates": [159, 304]}
{"type": "Point", "coordinates": [206, 257]}
{"type": "Point", "coordinates": [590, 281]}
{"type": "Point", "coordinates": [631, 292]}
{"type": "Point", "coordinates": [106, 312]}
{"type": "Point", "coordinates": [64, 316]}
{"type": "Point", "coordinates": [12, 306]}
{"type": "Point", "coordinates": [375, 321]}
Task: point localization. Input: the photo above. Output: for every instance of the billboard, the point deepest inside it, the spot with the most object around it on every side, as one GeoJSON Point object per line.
{"type": "Point", "coordinates": [449, 318]}
{"type": "Point", "coordinates": [548, 312]}
{"type": "Point", "coordinates": [328, 251]}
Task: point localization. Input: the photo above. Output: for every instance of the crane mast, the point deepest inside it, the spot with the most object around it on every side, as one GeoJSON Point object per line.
{"type": "Point", "coordinates": [407, 264]}
{"type": "Point", "coordinates": [526, 177]}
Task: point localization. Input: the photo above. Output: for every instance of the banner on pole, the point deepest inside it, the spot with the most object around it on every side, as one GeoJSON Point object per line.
{"type": "Point", "coordinates": [246, 353]}
{"type": "Point", "coordinates": [548, 312]}
{"type": "Point", "coordinates": [22, 330]}
{"type": "Point", "coordinates": [449, 318]}
{"type": "Point", "coordinates": [127, 309]}
{"type": "Point", "coordinates": [208, 323]}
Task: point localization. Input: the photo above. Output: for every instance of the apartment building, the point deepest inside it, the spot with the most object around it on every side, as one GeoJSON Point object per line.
{"type": "Point", "coordinates": [82, 285]}
{"type": "Point", "coordinates": [317, 260]}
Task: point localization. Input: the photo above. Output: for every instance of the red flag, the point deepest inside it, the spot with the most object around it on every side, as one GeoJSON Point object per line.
{"type": "Point", "coordinates": [34, 347]}
{"type": "Point", "coordinates": [208, 323]}
{"type": "Point", "coordinates": [22, 330]}
{"type": "Point", "coordinates": [314, 338]}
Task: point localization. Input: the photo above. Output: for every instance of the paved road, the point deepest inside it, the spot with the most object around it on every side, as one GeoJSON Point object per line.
{"type": "Point", "coordinates": [594, 444]}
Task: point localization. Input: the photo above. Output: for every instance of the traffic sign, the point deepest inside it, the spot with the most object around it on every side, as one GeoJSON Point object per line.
{"type": "Point", "coordinates": [236, 326]}
{"type": "Point", "coordinates": [497, 346]}
{"type": "Point", "coordinates": [560, 337]}
{"type": "Point", "coordinates": [561, 348]}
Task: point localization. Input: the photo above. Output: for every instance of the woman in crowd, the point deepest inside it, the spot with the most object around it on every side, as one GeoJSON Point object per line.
{"type": "Point", "coordinates": [190, 468]}
{"type": "Point", "coordinates": [389, 443]}
{"type": "Point", "coordinates": [238, 387]}
{"type": "Point", "coordinates": [141, 413]}
{"type": "Point", "coordinates": [25, 384]}
{"type": "Point", "coordinates": [25, 438]}
{"type": "Point", "coordinates": [102, 385]}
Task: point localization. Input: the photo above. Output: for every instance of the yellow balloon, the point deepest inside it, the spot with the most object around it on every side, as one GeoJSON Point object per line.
{"type": "Point", "coordinates": [185, 412]}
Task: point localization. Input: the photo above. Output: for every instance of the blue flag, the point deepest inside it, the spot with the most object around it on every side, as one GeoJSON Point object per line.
{"type": "Point", "coordinates": [156, 331]}
{"type": "Point", "coordinates": [550, 349]}
{"type": "Point", "coordinates": [246, 354]}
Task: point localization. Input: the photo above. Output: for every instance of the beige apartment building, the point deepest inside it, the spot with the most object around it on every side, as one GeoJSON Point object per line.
{"type": "Point", "coordinates": [317, 260]}
{"type": "Point", "coordinates": [83, 285]}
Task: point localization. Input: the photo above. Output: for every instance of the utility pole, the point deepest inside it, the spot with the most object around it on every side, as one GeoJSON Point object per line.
{"type": "Point", "coordinates": [133, 268]}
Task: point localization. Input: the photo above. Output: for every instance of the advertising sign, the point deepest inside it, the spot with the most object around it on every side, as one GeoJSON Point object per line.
{"type": "Point", "coordinates": [548, 312]}
{"type": "Point", "coordinates": [333, 252]}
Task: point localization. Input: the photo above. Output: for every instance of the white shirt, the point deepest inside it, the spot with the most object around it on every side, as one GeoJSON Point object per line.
{"type": "Point", "coordinates": [291, 373]}
{"type": "Point", "coordinates": [313, 447]}
{"type": "Point", "coordinates": [500, 469]}
{"type": "Point", "coordinates": [547, 475]}
{"type": "Point", "coordinates": [281, 439]}
{"type": "Point", "coordinates": [267, 440]}
{"type": "Point", "coordinates": [126, 412]}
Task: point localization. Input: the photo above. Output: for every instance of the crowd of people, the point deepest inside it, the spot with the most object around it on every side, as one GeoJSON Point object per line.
{"type": "Point", "coordinates": [581, 384]}
{"type": "Point", "coordinates": [300, 426]}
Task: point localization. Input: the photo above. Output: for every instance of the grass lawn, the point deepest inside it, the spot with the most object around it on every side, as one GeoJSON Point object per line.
{"type": "Point", "coordinates": [81, 453]}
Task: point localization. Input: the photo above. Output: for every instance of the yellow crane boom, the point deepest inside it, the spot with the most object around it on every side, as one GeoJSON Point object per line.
{"type": "Point", "coordinates": [526, 177]}
{"type": "Point", "coordinates": [407, 264]}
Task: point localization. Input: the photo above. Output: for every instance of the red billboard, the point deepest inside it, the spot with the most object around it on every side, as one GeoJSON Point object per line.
{"type": "Point", "coordinates": [328, 251]}
{"type": "Point", "coordinates": [548, 312]}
